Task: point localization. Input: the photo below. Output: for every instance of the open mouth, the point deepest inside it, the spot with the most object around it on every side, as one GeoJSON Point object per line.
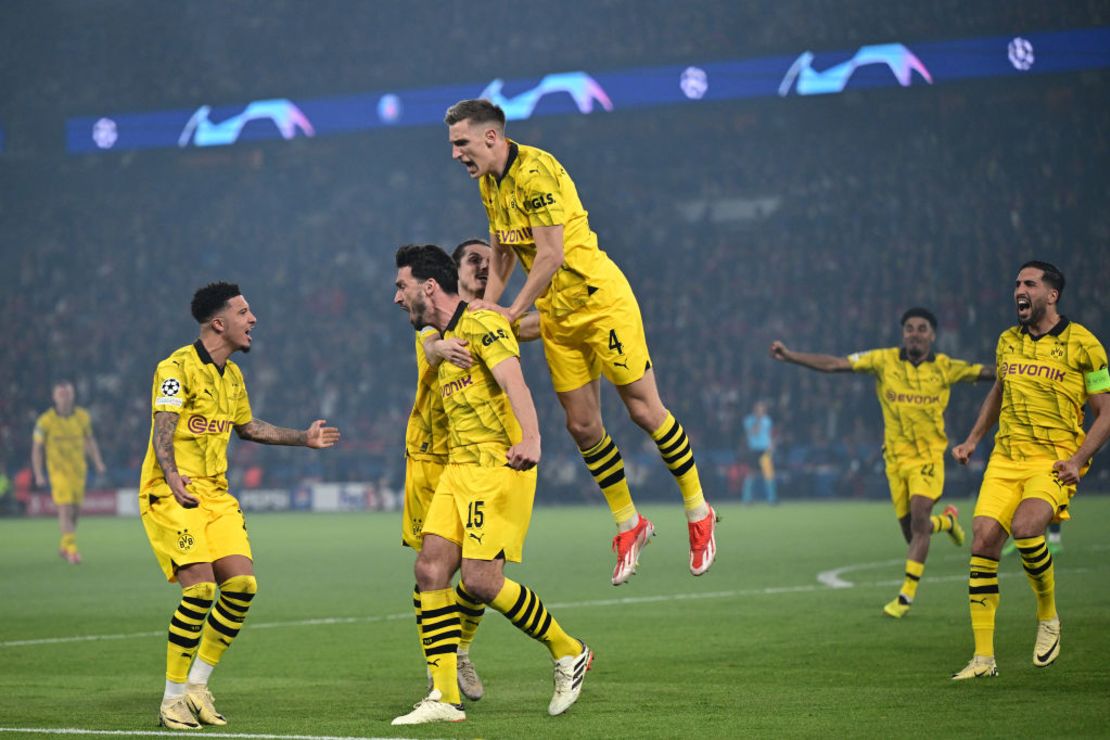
{"type": "Point", "coordinates": [1023, 304]}
{"type": "Point", "coordinates": [469, 165]}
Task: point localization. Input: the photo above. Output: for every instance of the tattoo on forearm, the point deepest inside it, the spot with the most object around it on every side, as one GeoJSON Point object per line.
{"type": "Point", "coordinates": [257, 430]}
{"type": "Point", "coordinates": [165, 422]}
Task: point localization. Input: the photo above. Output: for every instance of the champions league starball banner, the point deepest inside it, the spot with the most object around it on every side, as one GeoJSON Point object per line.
{"type": "Point", "coordinates": [801, 74]}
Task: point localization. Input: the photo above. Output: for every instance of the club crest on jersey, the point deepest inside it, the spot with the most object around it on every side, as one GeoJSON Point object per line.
{"type": "Point", "coordinates": [1057, 352]}
{"type": "Point", "coordinates": [185, 541]}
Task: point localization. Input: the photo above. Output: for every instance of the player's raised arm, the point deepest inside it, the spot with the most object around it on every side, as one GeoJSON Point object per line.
{"type": "Point", "coordinates": [526, 453]}
{"type": "Point", "coordinates": [988, 417]}
{"type": "Point", "coordinates": [316, 436]}
{"type": "Point", "coordinates": [824, 363]}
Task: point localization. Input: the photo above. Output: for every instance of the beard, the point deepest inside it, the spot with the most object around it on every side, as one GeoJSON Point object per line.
{"type": "Point", "coordinates": [1036, 313]}
{"type": "Point", "coordinates": [417, 312]}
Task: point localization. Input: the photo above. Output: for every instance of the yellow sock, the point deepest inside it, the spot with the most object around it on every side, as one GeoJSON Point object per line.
{"type": "Point", "coordinates": [1041, 574]}
{"type": "Point", "coordinates": [941, 522]}
{"type": "Point", "coordinates": [606, 465]}
{"type": "Point", "coordinates": [185, 627]}
{"type": "Point", "coordinates": [914, 570]}
{"type": "Point", "coordinates": [69, 542]}
{"type": "Point", "coordinates": [471, 612]}
{"type": "Point", "coordinates": [983, 598]}
{"type": "Point", "coordinates": [440, 630]}
{"type": "Point", "coordinates": [674, 448]}
{"type": "Point", "coordinates": [416, 610]}
{"type": "Point", "coordinates": [528, 614]}
{"type": "Point", "coordinates": [226, 618]}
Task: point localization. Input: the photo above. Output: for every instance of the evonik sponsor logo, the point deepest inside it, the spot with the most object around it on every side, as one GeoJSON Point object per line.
{"type": "Point", "coordinates": [914, 398]}
{"type": "Point", "coordinates": [514, 236]}
{"type": "Point", "coordinates": [1031, 370]}
{"type": "Point", "coordinates": [284, 114]}
{"type": "Point", "coordinates": [200, 425]}
{"type": "Point", "coordinates": [805, 80]}
{"type": "Point", "coordinates": [456, 385]}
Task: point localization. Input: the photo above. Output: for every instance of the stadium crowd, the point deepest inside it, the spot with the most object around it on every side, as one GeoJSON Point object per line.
{"type": "Point", "coordinates": [815, 222]}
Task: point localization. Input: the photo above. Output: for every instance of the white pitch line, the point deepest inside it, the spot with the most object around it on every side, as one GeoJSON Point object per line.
{"type": "Point", "coordinates": [163, 733]}
{"type": "Point", "coordinates": [626, 600]}
{"type": "Point", "coordinates": [832, 579]}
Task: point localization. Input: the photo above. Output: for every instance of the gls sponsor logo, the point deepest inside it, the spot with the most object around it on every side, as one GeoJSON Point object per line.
{"type": "Point", "coordinates": [1030, 370]}
{"type": "Point", "coordinates": [200, 425]}
{"type": "Point", "coordinates": [494, 336]}
{"type": "Point", "coordinates": [456, 385]}
{"type": "Point", "coordinates": [914, 398]}
{"type": "Point", "coordinates": [539, 201]}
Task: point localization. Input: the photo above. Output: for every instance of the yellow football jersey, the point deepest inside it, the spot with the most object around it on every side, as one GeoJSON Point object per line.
{"type": "Point", "coordinates": [536, 191]}
{"type": "Point", "coordinates": [481, 426]}
{"type": "Point", "coordinates": [209, 403]}
{"type": "Point", "coordinates": [63, 438]}
{"type": "Point", "coordinates": [1045, 383]}
{"type": "Point", "coordinates": [426, 435]}
{"type": "Point", "coordinates": [913, 399]}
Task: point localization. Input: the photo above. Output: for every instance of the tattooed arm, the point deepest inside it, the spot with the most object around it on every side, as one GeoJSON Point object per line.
{"type": "Point", "coordinates": [165, 422]}
{"type": "Point", "coordinates": [317, 435]}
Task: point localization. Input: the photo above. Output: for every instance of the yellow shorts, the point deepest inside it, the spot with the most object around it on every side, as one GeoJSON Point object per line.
{"type": "Point", "coordinates": [65, 491]}
{"type": "Point", "coordinates": [604, 337]}
{"type": "Point", "coordinates": [914, 479]}
{"type": "Point", "coordinates": [421, 479]}
{"type": "Point", "coordinates": [484, 510]}
{"type": "Point", "coordinates": [212, 530]}
{"type": "Point", "coordinates": [1006, 483]}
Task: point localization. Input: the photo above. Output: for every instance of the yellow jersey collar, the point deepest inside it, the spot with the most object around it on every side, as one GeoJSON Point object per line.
{"type": "Point", "coordinates": [903, 355]}
{"type": "Point", "coordinates": [202, 353]}
{"type": "Point", "coordinates": [1053, 332]}
{"type": "Point", "coordinates": [514, 150]}
{"type": "Point", "coordinates": [458, 315]}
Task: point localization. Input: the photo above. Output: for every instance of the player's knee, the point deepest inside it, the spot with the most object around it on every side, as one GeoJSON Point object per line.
{"type": "Point", "coordinates": [240, 585]}
{"type": "Point", "coordinates": [431, 575]}
{"type": "Point", "coordinates": [585, 431]}
{"type": "Point", "coordinates": [482, 589]}
{"type": "Point", "coordinates": [205, 590]}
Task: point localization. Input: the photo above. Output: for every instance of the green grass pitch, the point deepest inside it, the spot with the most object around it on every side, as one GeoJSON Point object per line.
{"type": "Point", "coordinates": [756, 647]}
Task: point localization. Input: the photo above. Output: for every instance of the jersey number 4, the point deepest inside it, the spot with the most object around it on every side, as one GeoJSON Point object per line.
{"type": "Point", "coordinates": [615, 343]}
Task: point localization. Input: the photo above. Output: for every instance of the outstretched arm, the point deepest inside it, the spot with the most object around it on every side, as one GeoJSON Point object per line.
{"type": "Point", "coordinates": [988, 417]}
{"type": "Point", "coordinates": [165, 423]}
{"type": "Point", "coordinates": [987, 373]}
{"type": "Point", "coordinates": [526, 453]}
{"type": "Point", "coordinates": [1068, 470]}
{"type": "Point", "coordinates": [824, 363]}
{"type": "Point", "coordinates": [317, 435]}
